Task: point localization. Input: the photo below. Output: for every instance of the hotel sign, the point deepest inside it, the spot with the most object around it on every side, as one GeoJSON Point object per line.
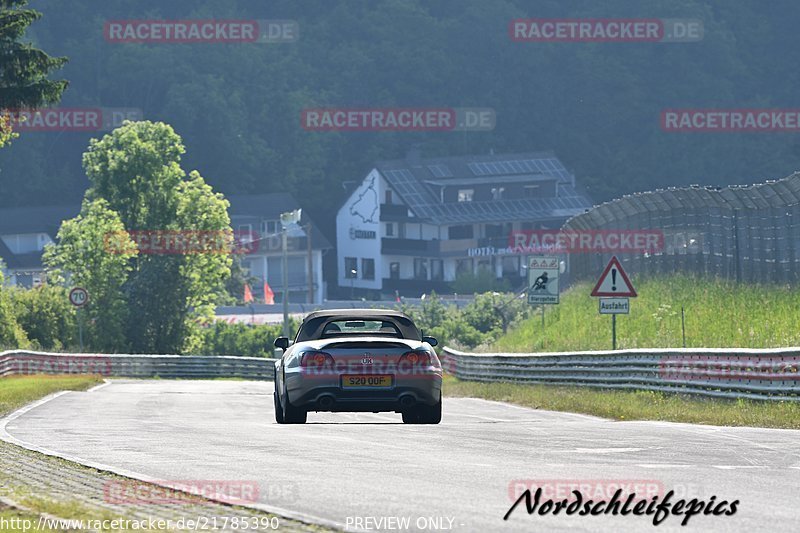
{"type": "Point", "coordinates": [363, 234]}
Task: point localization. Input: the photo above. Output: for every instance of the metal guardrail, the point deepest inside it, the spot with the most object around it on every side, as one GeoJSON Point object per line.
{"type": "Point", "coordinates": [730, 373]}
{"type": "Point", "coordinates": [16, 362]}
{"type": "Point", "coordinates": [734, 373]}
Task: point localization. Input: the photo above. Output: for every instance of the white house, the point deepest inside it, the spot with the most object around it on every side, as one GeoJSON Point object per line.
{"type": "Point", "coordinates": [414, 225]}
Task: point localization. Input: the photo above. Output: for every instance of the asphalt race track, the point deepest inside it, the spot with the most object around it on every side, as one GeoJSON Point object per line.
{"type": "Point", "coordinates": [340, 467]}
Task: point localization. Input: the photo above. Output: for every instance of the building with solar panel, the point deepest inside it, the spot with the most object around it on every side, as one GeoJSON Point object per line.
{"type": "Point", "coordinates": [416, 224]}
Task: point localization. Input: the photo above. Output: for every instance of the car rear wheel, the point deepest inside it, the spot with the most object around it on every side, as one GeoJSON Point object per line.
{"type": "Point", "coordinates": [424, 414]}
{"type": "Point", "coordinates": [291, 414]}
{"type": "Point", "coordinates": [278, 408]}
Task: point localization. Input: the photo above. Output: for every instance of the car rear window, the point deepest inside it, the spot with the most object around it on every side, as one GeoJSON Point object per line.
{"type": "Point", "coordinates": [360, 327]}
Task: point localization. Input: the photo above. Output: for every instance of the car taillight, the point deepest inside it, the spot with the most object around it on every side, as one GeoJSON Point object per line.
{"type": "Point", "coordinates": [417, 358]}
{"type": "Point", "coordinates": [315, 359]}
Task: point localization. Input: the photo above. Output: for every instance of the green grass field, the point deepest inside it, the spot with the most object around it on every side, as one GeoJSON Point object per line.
{"type": "Point", "coordinates": [719, 314]}
{"type": "Point", "coordinates": [16, 391]}
{"type": "Point", "coordinates": [633, 405]}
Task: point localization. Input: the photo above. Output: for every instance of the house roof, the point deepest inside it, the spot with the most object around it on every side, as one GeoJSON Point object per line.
{"type": "Point", "coordinates": [269, 207]}
{"type": "Point", "coordinates": [47, 219]}
{"type": "Point", "coordinates": [414, 179]}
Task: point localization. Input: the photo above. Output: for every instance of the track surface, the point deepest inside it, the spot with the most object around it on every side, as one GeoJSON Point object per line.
{"type": "Point", "coordinates": [369, 465]}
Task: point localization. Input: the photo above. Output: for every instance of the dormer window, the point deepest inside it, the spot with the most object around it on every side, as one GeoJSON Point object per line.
{"type": "Point", "coordinates": [498, 192]}
{"type": "Point", "coordinates": [531, 191]}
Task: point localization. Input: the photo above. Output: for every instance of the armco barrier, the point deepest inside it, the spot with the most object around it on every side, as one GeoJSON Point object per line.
{"type": "Point", "coordinates": [17, 362]}
{"type": "Point", "coordinates": [732, 373]}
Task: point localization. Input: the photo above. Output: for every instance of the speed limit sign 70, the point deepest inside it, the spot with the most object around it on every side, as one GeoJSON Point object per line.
{"type": "Point", "coordinates": [78, 296]}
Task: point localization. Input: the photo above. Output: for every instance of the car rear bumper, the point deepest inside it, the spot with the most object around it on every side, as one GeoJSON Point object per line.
{"type": "Point", "coordinates": [318, 393]}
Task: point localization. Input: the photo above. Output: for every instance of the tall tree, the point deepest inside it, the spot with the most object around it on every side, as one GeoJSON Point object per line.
{"type": "Point", "coordinates": [82, 257]}
{"type": "Point", "coordinates": [24, 69]}
{"type": "Point", "coordinates": [135, 171]}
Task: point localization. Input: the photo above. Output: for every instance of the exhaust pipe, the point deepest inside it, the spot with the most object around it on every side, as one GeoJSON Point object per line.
{"type": "Point", "coordinates": [325, 402]}
{"type": "Point", "coordinates": [407, 401]}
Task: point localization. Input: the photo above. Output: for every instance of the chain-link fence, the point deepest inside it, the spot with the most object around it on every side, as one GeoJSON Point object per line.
{"type": "Point", "coordinates": [749, 234]}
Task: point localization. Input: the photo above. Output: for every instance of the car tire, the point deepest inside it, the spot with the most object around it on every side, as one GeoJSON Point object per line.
{"type": "Point", "coordinates": [278, 408]}
{"type": "Point", "coordinates": [424, 414]}
{"type": "Point", "coordinates": [291, 414]}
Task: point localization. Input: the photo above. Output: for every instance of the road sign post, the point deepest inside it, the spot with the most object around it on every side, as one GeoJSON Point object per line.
{"type": "Point", "coordinates": [78, 297]}
{"type": "Point", "coordinates": [614, 289]}
{"type": "Point", "coordinates": [543, 271]}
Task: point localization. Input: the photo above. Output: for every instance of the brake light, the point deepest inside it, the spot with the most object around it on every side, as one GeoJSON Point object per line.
{"type": "Point", "coordinates": [417, 357]}
{"type": "Point", "coordinates": [315, 359]}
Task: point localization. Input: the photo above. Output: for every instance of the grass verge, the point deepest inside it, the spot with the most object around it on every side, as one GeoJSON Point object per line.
{"type": "Point", "coordinates": [633, 405]}
{"type": "Point", "coordinates": [16, 391]}
{"type": "Point", "coordinates": [718, 314]}
{"type": "Point", "coordinates": [20, 521]}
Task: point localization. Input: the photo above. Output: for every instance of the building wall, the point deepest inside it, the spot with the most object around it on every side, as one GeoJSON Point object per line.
{"type": "Point", "coordinates": [359, 232]}
{"type": "Point", "coordinates": [269, 267]}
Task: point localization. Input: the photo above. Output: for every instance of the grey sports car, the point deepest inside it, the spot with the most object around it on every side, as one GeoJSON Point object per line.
{"type": "Point", "coordinates": [370, 360]}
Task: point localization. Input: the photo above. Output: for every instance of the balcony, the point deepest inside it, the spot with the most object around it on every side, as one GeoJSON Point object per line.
{"type": "Point", "coordinates": [409, 247]}
{"type": "Point", "coordinates": [394, 213]}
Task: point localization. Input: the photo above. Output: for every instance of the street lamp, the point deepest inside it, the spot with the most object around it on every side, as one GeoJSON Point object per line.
{"type": "Point", "coordinates": [353, 273]}
{"type": "Point", "coordinates": [289, 222]}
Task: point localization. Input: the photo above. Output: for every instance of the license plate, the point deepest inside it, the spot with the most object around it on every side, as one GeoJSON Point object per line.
{"type": "Point", "coordinates": [371, 381]}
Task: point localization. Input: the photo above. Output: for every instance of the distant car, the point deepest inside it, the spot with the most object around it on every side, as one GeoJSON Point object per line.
{"type": "Point", "coordinates": [367, 360]}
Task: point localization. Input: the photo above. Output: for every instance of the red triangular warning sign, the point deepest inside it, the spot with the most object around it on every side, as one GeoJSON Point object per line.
{"type": "Point", "coordinates": [614, 282]}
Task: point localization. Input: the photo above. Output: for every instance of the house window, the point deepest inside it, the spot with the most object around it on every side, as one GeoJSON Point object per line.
{"type": "Point", "coordinates": [463, 266]}
{"type": "Point", "coordinates": [388, 196]}
{"type": "Point", "coordinates": [367, 268]}
{"type": "Point", "coordinates": [269, 227]}
{"type": "Point", "coordinates": [420, 268]}
{"type": "Point", "coordinates": [494, 230]}
{"type": "Point", "coordinates": [530, 191]}
{"type": "Point", "coordinates": [245, 235]}
{"type": "Point", "coordinates": [394, 270]}
{"type": "Point", "coordinates": [460, 232]}
{"type": "Point", "coordinates": [390, 229]}
{"type": "Point", "coordinates": [497, 193]}
{"type": "Point", "coordinates": [510, 266]}
{"type": "Point", "coordinates": [350, 267]}
{"type": "Point", "coordinates": [437, 270]}
{"type": "Point", "coordinates": [465, 195]}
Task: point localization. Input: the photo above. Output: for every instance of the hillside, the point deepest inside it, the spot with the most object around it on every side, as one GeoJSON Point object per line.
{"type": "Point", "coordinates": [597, 105]}
{"type": "Point", "coordinates": [718, 314]}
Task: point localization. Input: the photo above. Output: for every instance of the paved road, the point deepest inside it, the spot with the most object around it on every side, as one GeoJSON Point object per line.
{"type": "Point", "coordinates": [342, 466]}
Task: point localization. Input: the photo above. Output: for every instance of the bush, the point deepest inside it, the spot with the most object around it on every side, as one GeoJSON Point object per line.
{"type": "Point", "coordinates": [12, 336]}
{"type": "Point", "coordinates": [483, 281]}
{"type": "Point", "coordinates": [481, 322]}
{"type": "Point", "coordinates": [46, 316]}
{"type": "Point", "coordinates": [247, 340]}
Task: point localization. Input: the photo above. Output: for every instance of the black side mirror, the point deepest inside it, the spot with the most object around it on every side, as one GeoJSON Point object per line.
{"type": "Point", "coordinates": [282, 343]}
{"type": "Point", "coordinates": [430, 340]}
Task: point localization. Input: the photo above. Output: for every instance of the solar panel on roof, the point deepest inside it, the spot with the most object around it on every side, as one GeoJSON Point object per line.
{"type": "Point", "coordinates": [440, 171]}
